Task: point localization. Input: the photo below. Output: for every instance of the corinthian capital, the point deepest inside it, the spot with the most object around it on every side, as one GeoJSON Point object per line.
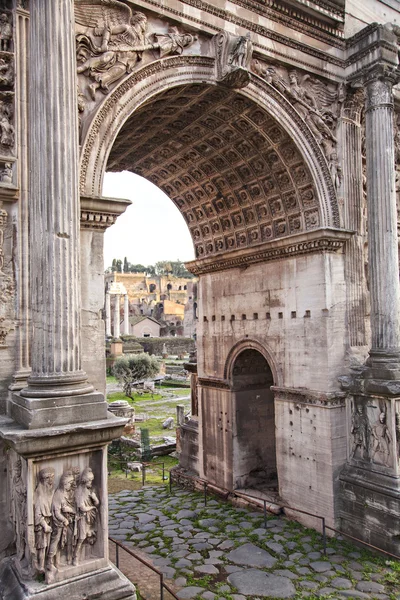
{"type": "Point", "coordinates": [379, 82]}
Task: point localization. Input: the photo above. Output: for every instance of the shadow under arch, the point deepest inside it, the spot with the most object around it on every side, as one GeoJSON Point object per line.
{"type": "Point", "coordinates": [251, 344]}
{"type": "Point", "coordinates": [145, 84]}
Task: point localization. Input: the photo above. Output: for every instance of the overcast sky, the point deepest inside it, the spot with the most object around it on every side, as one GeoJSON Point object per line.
{"type": "Point", "coordinates": [151, 229]}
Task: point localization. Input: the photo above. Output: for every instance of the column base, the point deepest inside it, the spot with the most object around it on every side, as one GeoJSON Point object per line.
{"type": "Point", "coordinates": [108, 583]}
{"type": "Point", "coordinates": [370, 507]}
{"type": "Point", "coordinates": [37, 413]}
{"type": "Point", "coordinates": [383, 365]}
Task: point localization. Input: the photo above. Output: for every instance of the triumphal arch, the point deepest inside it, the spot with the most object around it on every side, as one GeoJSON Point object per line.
{"type": "Point", "coordinates": [273, 127]}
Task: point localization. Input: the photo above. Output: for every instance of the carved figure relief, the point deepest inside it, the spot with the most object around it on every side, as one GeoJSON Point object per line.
{"type": "Point", "coordinates": [233, 57]}
{"type": "Point", "coordinates": [114, 41]}
{"type": "Point", "coordinates": [397, 417]}
{"type": "Point", "coordinates": [64, 520]}
{"type": "Point", "coordinates": [6, 72]}
{"type": "Point", "coordinates": [18, 504]}
{"type": "Point", "coordinates": [317, 103]}
{"type": "Point", "coordinates": [43, 517]}
{"type": "Point", "coordinates": [361, 432]}
{"type": "Point", "coordinates": [381, 441]}
{"type": "Point", "coordinates": [5, 33]}
{"type": "Point", "coordinates": [6, 174]}
{"type": "Point", "coordinates": [6, 126]}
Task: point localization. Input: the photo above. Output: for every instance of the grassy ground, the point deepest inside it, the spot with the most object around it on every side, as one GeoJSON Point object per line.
{"type": "Point", "coordinates": [157, 408]}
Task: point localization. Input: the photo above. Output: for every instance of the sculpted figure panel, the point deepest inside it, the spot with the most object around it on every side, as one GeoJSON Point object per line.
{"type": "Point", "coordinates": [111, 41]}
{"type": "Point", "coordinates": [18, 503]}
{"type": "Point", "coordinates": [66, 520]}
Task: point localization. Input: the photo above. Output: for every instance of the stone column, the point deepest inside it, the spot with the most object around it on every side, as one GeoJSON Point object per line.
{"type": "Point", "coordinates": [54, 223]}
{"type": "Point", "coordinates": [117, 317]}
{"type": "Point", "coordinates": [126, 314]}
{"type": "Point", "coordinates": [108, 314]}
{"type": "Point", "coordinates": [382, 226]}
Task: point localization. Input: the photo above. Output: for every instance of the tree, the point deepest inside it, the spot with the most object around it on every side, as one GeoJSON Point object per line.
{"type": "Point", "coordinates": [126, 265]}
{"type": "Point", "coordinates": [132, 368]}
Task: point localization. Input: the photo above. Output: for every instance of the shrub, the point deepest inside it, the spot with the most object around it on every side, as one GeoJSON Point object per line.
{"type": "Point", "coordinates": [129, 369]}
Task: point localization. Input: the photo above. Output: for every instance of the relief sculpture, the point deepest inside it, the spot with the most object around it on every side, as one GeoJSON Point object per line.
{"type": "Point", "coordinates": [316, 102]}
{"type": "Point", "coordinates": [361, 432]}
{"type": "Point", "coordinates": [233, 57]}
{"type": "Point", "coordinates": [64, 520]}
{"type": "Point", "coordinates": [381, 441]}
{"type": "Point", "coordinates": [114, 40]}
{"type": "Point", "coordinates": [18, 507]}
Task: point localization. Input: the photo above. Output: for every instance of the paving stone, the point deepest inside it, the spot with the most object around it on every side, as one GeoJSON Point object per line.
{"type": "Point", "coordinates": [231, 528]}
{"type": "Point", "coordinates": [314, 555]}
{"type": "Point", "coordinates": [162, 562]}
{"type": "Point", "coordinates": [216, 553]}
{"type": "Point", "coordinates": [370, 586]}
{"type": "Point", "coordinates": [189, 592]}
{"type": "Point", "coordinates": [252, 581]}
{"type": "Point", "coordinates": [194, 556]}
{"type": "Point", "coordinates": [251, 556]}
{"type": "Point", "coordinates": [168, 572]}
{"type": "Point", "coordinates": [208, 596]}
{"type": "Point", "coordinates": [295, 556]}
{"type": "Point", "coordinates": [232, 568]}
{"type": "Point", "coordinates": [182, 562]}
{"type": "Point", "coordinates": [321, 578]}
{"type": "Point", "coordinates": [354, 594]}
{"type": "Point", "coordinates": [303, 570]}
{"type": "Point", "coordinates": [275, 547]}
{"type": "Point", "coordinates": [145, 518]}
{"type": "Point", "coordinates": [286, 573]}
{"type": "Point", "coordinates": [311, 585]}
{"type": "Point", "coordinates": [206, 569]}
{"type": "Point", "coordinates": [213, 561]}
{"type": "Point", "coordinates": [180, 581]}
{"type": "Point", "coordinates": [246, 525]}
{"type": "Point", "coordinates": [186, 514]}
{"type": "Point", "coordinates": [178, 554]}
{"type": "Point", "coordinates": [356, 566]}
{"type": "Point", "coordinates": [321, 566]}
{"type": "Point", "coordinates": [201, 546]}
{"type": "Point", "coordinates": [208, 522]}
{"type": "Point", "coordinates": [341, 583]}
{"type": "Point", "coordinates": [326, 591]}
{"type": "Point", "coordinates": [238, 597]}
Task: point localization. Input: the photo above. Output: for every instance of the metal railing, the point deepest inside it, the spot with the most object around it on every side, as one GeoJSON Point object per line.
{"type": "Point", "coordinates": [163, 586]}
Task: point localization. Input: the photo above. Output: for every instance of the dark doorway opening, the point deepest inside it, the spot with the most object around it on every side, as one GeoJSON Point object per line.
{"type": "Point", "coordinates": [255, 447]}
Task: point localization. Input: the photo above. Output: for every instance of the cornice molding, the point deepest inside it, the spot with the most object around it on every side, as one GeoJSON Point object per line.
{"type": "Point", "coordinates": [100, 212]}
{"type": "Point", "coordinates": [313, 397]}
{"type": "Point", "coordinates": [219, 384]}
{"type": "Point", "coordinates": [316, 241]}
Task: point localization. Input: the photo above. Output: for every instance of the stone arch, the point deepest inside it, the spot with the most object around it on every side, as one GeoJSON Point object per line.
{"type": "Point", "coordinates": [296, 180]}
{"type": "Point", "coordinates": [250, 344]}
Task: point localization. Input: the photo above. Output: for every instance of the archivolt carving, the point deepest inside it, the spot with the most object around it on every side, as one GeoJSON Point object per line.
{"type": "Point", "coordinates": [316, 102]}
{"type": "Point", "coordinates": [233, 56]}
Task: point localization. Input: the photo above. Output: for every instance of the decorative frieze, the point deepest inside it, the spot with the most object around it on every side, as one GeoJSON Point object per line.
{"type": "Point", "coordinates": [218, 384]}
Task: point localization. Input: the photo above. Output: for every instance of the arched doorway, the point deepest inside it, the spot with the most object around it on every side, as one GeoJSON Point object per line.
{"type": "Point", "coordinates": [254, 447]}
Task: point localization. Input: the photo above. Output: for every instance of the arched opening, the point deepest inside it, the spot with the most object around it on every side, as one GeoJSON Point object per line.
{"type": "Point", "coordinates": [254, 462]}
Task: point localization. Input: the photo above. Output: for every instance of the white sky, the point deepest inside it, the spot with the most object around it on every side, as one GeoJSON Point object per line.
{"type": "Point", "coordinates": [151, 229]}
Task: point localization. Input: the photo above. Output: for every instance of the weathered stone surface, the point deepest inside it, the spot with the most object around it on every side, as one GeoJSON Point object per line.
{"type": "Point", "coordinates": [254, 582]}
{"type": "Point", "coordinates": [252, 556]}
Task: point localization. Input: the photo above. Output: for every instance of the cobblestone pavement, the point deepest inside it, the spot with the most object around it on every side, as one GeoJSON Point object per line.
{"type": "Point", "coordinates": [220, 552]}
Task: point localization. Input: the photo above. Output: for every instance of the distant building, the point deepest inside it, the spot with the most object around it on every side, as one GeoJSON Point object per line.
{"type": "Point", "coordinates": [144, 327]}
{"type": "Point", "coordinates": [170, 301]}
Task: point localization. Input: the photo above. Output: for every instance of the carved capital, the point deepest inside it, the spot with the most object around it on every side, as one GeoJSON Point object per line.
{"type": "Point", "coordinates": [379, 83]}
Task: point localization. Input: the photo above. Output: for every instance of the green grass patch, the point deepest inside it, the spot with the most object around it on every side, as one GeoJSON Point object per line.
{"type": "Point", "coordinates": [136, 397]}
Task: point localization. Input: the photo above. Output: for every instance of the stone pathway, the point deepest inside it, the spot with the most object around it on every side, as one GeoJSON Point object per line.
{"type": "Point", "coordinates": [220, 552]}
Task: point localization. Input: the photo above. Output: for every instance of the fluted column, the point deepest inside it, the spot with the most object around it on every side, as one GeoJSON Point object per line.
{"type": "Point", "coordinates": [126, 314]}
{"type": "Point", "coordinates": [382, 222]}
{"type": "Point", "coordinates": [117, 317]}
{"type": "Point", "coordinates": [354, 207]}
{"type": "Point", "coordinates": [54, 203]}
{"type": "Point", "coordinates": [108, 314]}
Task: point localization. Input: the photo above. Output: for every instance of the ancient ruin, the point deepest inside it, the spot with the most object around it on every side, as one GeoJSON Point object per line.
{"type": "Point", "coordinates": [274, 128]}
